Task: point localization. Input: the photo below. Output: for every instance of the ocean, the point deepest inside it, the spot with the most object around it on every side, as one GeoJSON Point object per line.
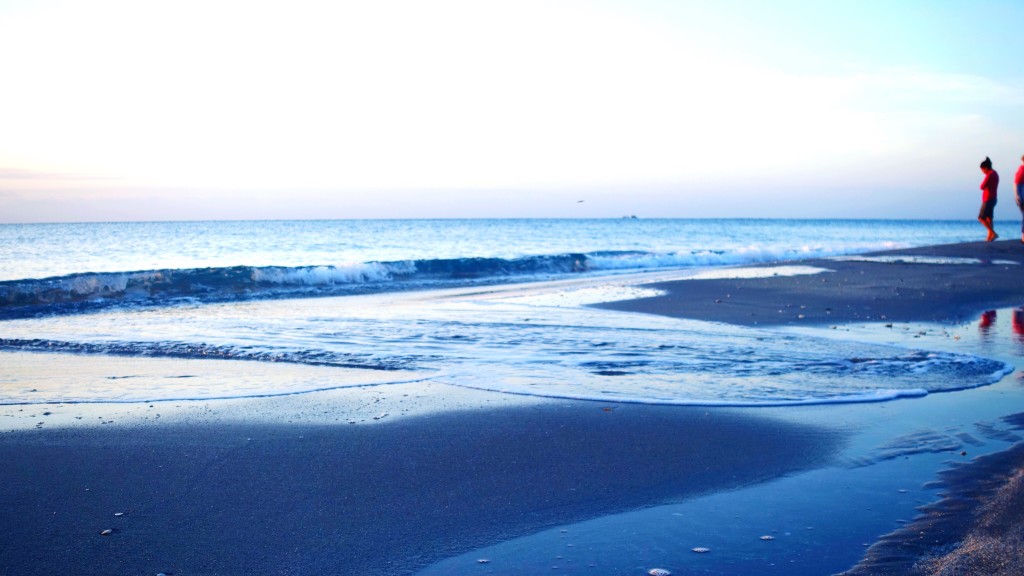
{"type": "Point", "coordinates": [488, 304]}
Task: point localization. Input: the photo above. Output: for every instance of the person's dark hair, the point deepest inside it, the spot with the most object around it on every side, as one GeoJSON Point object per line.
{"type": "Point", "coordinates": [986, 163]}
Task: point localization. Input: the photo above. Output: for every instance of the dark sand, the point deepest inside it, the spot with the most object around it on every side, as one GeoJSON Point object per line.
{"type": "Point", "coordinates": [854, 291]}
{"type": "Point", "coordinates": [383, 498]}
{"type": "Point", "coordinates": [978, 528]}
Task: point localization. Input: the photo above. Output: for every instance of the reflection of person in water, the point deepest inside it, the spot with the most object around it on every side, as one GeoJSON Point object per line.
{"type": "Point", "coordinates": [987, 325]}
{"type": "Point", "coordinates": [988, 318]}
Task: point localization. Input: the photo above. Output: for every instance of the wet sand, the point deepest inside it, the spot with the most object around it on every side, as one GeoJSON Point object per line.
{"type": "Point", "coordinates": [854, 291]}
{"type": "Point", "coordinates": [383, 498]}
{"type": "Point", "coordinates": [978, 526]}
{"type": "Point", "coordinates": [204, 495]}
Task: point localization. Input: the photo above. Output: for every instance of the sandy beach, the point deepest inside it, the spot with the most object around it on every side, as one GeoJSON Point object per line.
{"type": "Point", "coordinates": [387, 498]}
{"type": "Point", "coordinates": [574, 288]}
{"type": "Point", "coordinates": [955, 282]}
{"type": "Point", "coordinates": [977, 527]}
{"type": "Point", "coordinates": [204, 490]}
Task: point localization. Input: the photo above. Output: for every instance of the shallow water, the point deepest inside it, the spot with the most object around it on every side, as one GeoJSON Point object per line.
{"type": "Point", "coordinates": [56, 269]}
{"type": "Point", "coordinates": [365, 295]}
{"type": "Point", "coordinates": [821, 521]}
{"type": "Point", "coordinates": [515, 340]}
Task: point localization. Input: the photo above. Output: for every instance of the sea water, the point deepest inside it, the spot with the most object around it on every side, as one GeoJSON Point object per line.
{"type": "Point", "coordinates": [488, 304]}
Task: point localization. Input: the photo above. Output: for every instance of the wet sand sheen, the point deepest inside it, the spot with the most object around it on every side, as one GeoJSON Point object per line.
{"type": "Point", "coordinates": [978, 528]}
{"type": "Point", "coordinates": [385, 498]}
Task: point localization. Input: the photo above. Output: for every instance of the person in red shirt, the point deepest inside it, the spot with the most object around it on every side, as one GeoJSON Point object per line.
{"type": "Point", "coordinates": [1018, 183]}
{"type": "Point", "coordinates": [989, 186]}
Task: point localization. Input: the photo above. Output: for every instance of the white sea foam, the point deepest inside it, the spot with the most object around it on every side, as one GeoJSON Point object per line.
{"type": "Point", "coordinates": [507, 345]}
{"type": "Point", "coordinates": [742, 255]}
{"type": "Point", "coordinates": [762, 272]}
{"type": "Point", "coordinates": [853, 398]}
{"type": "Point", "coordinates": [909, 259]}
{"type": "Point", "coordinates": [544, 346]}
{"type": "Point", "coordinates": [329, 275]}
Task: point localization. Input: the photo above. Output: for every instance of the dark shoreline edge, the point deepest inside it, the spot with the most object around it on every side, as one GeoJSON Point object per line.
{"type": "Point", "coordinates": [854, 291]}
{"type": "Point", "coordinates": [977, 527]}
{"type": "Point", "coordinates": [391, 497]}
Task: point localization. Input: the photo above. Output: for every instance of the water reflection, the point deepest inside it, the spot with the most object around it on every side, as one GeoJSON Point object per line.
{"type": "Point", "coordinates": [988, 327]}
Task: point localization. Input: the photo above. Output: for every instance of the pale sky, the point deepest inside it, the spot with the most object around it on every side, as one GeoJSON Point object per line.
{"type": "Point", "coordinates": [188, 110]}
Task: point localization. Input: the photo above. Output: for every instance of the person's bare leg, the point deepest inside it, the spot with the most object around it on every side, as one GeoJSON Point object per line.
{"type": "Point", "coordinates": [987, 223]}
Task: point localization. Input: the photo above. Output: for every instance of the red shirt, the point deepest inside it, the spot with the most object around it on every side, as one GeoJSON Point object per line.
{"type": "Point", "coordinates": [1020, 175]}
{"type": "Point", "coordinates": [989, 186]}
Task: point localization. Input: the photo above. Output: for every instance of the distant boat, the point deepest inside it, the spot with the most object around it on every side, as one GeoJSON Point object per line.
{"type": "Point", "coordinates": [631, 217]}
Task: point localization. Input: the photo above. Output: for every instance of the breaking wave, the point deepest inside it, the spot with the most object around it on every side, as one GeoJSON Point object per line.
{"type": "Point", "coordinates": [92, 290]}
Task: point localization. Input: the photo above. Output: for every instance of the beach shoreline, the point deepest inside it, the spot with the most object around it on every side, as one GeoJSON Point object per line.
{"type": "Point", "coordinates": [205, 490]}
{"type": "Point", "coordinates": [951, 283]}
{"type": "Point", "coordinates": [945, 284]}
{"type": "Point", "coordinates": [977, 527]}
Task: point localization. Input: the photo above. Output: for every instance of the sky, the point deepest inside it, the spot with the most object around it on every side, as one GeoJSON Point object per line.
{"type": "Point", "coordinates": [117, 110]}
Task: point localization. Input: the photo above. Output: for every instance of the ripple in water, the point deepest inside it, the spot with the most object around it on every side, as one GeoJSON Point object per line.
{"type": "Point", "coordinates": [516, 348]}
